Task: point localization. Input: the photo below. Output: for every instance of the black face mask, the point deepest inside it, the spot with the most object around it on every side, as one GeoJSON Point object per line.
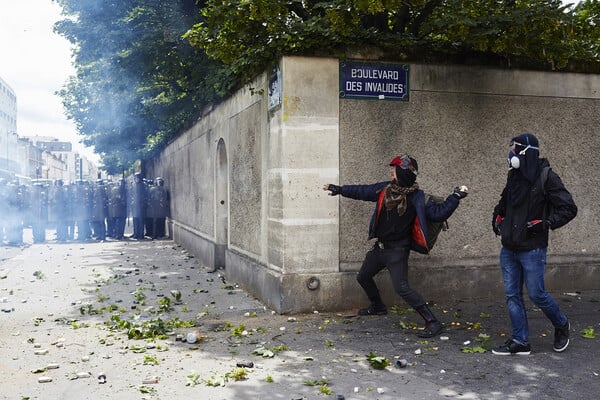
{"type": "Point", "coordinates": [406, 178]}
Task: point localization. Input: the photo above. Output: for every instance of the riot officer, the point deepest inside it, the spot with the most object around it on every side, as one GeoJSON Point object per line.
{"type": "Point", "coordinates": [58, 209]}
{"type": "Point", "coordinates": [117, 209]}
{"type": "Point", "coordinates": [158, 207]}
{"type": "Point", "coordinates": [99, 210]}
{"type": "Point", "coordinates": [137, 205]}
{"type": "Point", "coordinates": [3, 207]}
{"type": "Point", "coordinates": [70, 191]}
{"type": "Point", "coordinates": [110, 228]}
{"type": "Point", "coordinates": [38, 211]}
{"type": "Point", "coordinates": [14, 214]}
{"type": "Point", "coordinates": [82, 210]}
{"type": "Point", "coordinates": [148, 220]}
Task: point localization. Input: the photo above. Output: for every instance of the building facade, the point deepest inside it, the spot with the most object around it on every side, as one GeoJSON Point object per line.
{"type": "Point", "coordinates": [8, 130]}
{"type": "Point", "coordinates": [36, 157]}
{"type": "Point", "coordinates": [61, 162]}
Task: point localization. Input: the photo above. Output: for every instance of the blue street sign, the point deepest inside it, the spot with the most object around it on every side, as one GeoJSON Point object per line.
{"type": "Point", "coordinates": [373, 80]}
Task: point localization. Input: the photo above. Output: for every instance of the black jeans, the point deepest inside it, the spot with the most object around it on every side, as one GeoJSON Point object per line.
{"type": "Point", "coordinates": [396, 261]}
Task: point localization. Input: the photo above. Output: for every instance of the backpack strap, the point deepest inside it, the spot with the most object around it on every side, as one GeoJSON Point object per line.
{"type": "Point", "coordinates": [427, 197]}
{"type": "Point", "coordinates": [380, 204]}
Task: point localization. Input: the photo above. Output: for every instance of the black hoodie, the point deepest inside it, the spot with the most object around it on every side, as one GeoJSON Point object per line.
{"type": "Point", "coordinates": [523, 201]}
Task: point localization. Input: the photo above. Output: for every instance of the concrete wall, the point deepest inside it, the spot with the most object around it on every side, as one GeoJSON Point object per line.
{"type": "Point", "coordinates": [254, 176]}
{"type": "Point", "coordinates": [457, 125]}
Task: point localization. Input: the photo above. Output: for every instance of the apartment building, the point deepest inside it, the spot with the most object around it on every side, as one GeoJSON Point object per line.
{"type": "Point", "coordinates": [8, 131]}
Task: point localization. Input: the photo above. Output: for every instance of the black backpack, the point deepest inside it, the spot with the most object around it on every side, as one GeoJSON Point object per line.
{"type": "Point", "coordinates": [434, 228]}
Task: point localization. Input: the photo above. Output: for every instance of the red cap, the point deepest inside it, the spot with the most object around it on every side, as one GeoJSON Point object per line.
{"type": "Point", "coordinates": [405, 162]}
{"type": "Point", "coordinates": [396, 161]}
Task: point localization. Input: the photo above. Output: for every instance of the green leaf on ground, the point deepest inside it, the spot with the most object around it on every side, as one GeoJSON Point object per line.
{"type": "Point", "coordinates": [377, 362]}
{"type": "Point", "coordinates": [588, 333]}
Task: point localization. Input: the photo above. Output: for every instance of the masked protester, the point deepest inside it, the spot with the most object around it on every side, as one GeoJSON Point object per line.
{"type": "Point", "coordinates": [529, 206]}
{"type": "Point", "coordinates": [400, 205]}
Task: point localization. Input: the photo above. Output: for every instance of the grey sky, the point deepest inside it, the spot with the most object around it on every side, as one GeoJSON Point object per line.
{"type": "Point", "coordinates": [36, 62]}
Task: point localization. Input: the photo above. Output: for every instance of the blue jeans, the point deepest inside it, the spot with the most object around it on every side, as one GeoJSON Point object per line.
{"type": "Point", "coordinates": [527, 267]}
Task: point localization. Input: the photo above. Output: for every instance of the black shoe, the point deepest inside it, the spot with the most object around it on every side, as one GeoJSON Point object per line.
{"type": "Point", "coordinates": [373, 310]}
{"type": "Point", "coordinates": [432, 329]}
{"type": "Point", "coordinates": [512, 347]}
{"type": "Point", "coordinates": [561, 337]}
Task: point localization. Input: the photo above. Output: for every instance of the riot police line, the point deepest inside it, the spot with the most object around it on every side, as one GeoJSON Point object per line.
{"type": "Point", "coordinates": [83, 211]}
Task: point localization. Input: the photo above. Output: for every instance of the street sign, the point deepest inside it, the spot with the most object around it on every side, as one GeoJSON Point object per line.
{"type": "Point", "coordinates": [274, 87]}
{"type": "Point", "coordinates": [373, 80]}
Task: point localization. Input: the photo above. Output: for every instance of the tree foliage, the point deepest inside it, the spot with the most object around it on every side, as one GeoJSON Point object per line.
{"type": "Point", "coordinates": [137, 81]}
{"type": "Point", "coordinates": [146, 69]}
{"type": "Point", "coordinates": [250, 34]}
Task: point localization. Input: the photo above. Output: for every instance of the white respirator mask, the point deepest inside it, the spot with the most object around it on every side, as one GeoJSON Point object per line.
{"type": "Point", "coordinates": [513, 158]}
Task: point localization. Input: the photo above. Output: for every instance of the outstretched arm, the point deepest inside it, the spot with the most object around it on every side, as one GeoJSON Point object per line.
{"type": "Point", "coordinates": [357, 192]}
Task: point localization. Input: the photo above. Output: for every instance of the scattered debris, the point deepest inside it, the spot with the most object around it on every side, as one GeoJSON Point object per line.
{"type": "Point", "coordinates": [588, 333]}
{"type": "Point", "coordinates": [245, 364]}
{"type": "Point", "coordinates": [192, 337]}
{"type": "Point", "coordinates": [377, 362]}
{"type": "Point", "coordinates": [150, 379]}
{"type": "Point", "coordinates": [193, 378]}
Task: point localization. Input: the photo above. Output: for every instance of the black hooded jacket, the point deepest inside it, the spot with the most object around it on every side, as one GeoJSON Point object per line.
{"type": "Point", "coordinates": [554, 208]}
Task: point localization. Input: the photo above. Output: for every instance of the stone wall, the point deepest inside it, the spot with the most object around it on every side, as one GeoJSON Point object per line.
{"type": "Point", "coordinates": [246, 180]}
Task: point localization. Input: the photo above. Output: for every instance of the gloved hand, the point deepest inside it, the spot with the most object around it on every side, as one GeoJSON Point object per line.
{"type": "Point", "coordinates": [461, 192]}
{"type": "Point", "coordinates": [334, 190]}
{"type": "Point", "coordinates": [496, 221]}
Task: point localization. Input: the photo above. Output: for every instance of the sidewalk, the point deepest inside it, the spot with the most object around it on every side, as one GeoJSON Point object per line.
{"type": "Point", "coordinates": [77, 303]}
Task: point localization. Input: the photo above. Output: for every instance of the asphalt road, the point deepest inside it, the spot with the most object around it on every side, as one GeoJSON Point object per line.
{"type": "Point", "coordinates": [106, 321]}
